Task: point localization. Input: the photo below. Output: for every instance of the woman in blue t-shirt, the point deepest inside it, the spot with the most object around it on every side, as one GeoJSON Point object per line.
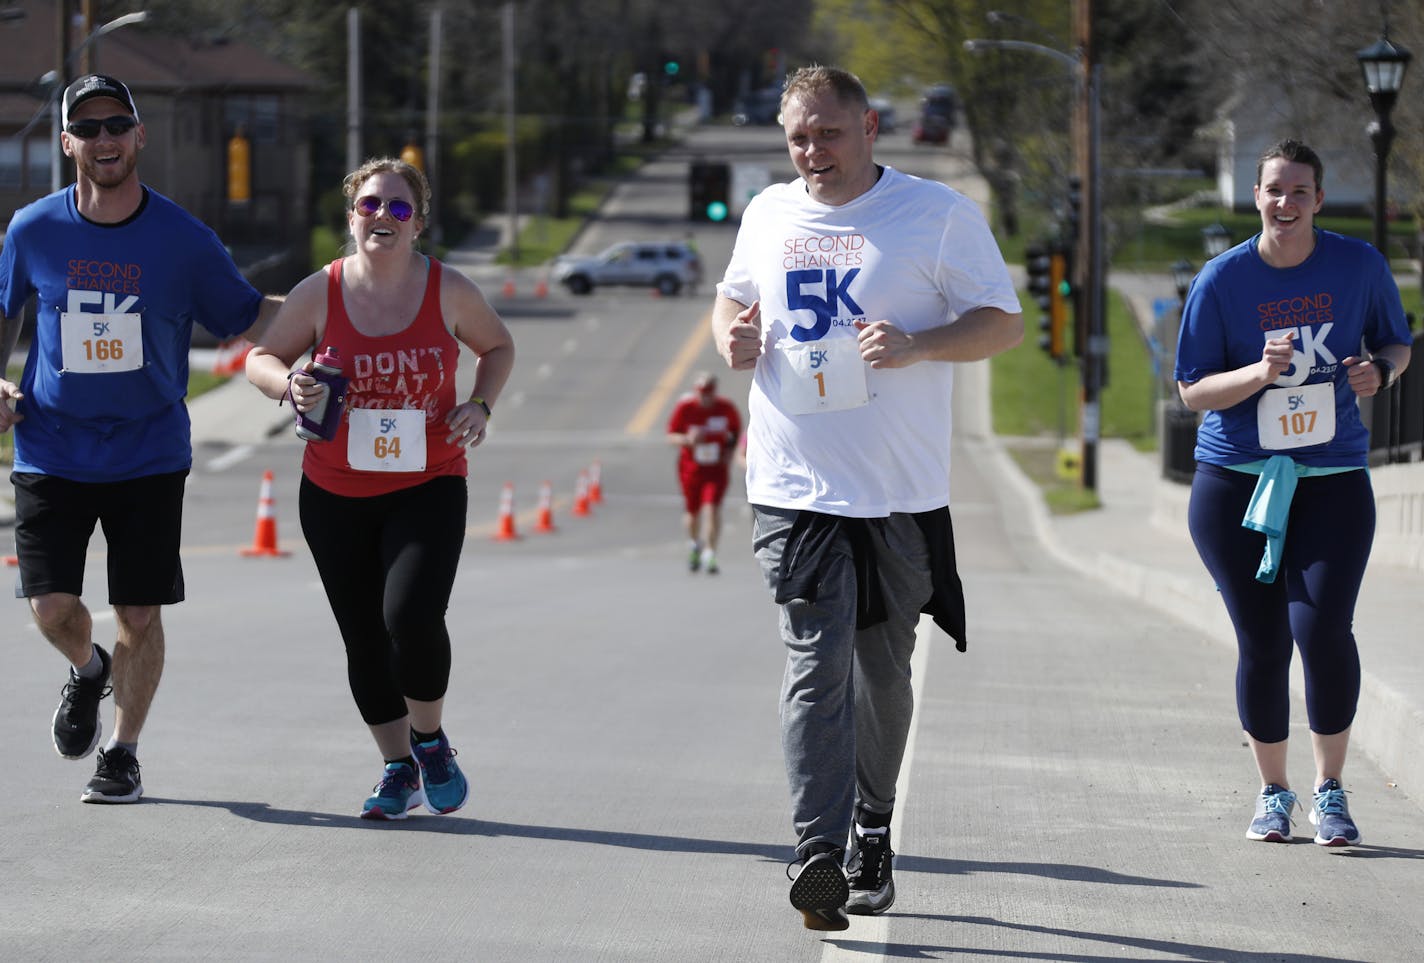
{"type": "Point", "coordinates": [1280, 336]}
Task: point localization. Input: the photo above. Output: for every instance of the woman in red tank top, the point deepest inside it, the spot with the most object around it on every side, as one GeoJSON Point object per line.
{"type": "Point", "coordinates": [383, 501]}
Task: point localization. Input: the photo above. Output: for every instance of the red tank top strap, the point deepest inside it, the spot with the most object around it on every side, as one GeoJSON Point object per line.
{"type": "Point", "coordinates": [338, 325]}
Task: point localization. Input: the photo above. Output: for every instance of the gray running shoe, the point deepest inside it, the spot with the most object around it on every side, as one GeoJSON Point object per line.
{"type": "Point", "coordinates": [1272, 822]}
{"type": "Point", "coordinates": [872, 887]}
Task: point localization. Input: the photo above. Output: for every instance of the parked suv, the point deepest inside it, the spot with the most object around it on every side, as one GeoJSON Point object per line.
{"type": "Point", "coordinates": [669, 267]}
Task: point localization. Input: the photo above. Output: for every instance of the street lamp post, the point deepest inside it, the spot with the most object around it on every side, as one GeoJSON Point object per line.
{"type": "Point", "coordinates": [66, 60]}
{"type": "Point", "coordinates": [1216, 239]}
{"type": "Point", "coordinates": [1383, 64]}
{"type": "Point", "coordinates": [1087, 75]}
{"type": "Point", "coordinates": [1182, 274]}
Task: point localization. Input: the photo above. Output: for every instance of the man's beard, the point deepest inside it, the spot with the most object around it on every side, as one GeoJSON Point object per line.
{"type": "Point", "coordinates": [109, 175]}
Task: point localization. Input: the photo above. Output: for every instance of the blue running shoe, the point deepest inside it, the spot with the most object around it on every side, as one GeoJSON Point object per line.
{"type": "Point", "coordinates": [1331, 816]}
{"type": "Point", "coordinates": [446, 788]}
{"type": "Point", "coordinates": [1273, 808]}
{"type": "Point", "coordinates": [396, 794]}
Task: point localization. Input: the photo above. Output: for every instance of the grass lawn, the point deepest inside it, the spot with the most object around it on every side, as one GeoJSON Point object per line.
{"type": "Point", "coordinates": [1037, 403]}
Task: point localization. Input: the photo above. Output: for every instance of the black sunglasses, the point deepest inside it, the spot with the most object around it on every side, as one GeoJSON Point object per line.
{"type": "Point", "coordinates": [117, 126]}
{"type": "Point", "coordinates": [369, 205]}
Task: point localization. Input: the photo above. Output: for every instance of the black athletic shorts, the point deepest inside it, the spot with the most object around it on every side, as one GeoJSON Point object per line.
{"type": "Point", "coordinates": [142, 520]}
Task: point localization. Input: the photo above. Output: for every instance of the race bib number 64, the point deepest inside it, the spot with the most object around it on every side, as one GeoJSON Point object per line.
{"type": "Point", "coordinates": [386, 440]}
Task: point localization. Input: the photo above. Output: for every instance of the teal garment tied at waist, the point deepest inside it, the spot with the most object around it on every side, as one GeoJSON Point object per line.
{"type": "Point", "coordinates": [1268, 512]}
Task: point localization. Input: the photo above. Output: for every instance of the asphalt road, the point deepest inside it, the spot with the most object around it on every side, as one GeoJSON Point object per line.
{"type": "Point", "coordinates": [1077, 788]}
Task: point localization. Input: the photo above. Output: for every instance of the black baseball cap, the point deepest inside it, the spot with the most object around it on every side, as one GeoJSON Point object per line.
{"type": "Point", "coordinates": [97, 85]}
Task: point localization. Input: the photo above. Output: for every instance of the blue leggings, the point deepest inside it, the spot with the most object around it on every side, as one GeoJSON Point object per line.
{"type": "Point", "coordinates": [1312, 601]}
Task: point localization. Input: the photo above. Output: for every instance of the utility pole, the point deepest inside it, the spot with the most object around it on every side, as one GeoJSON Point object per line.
{"type": "Point", "coordinates": [432, 120]}
{"type": "Point", "coordinates": [353, 88]}
{"type": "Point", "coordinates": [1089, 269]}
{"type": "Point", "coordinates": [511, 167]}
{"type": "Point", "coordinates": [61, 81]}
{"type": "Point", "coordinates": [86, 24]}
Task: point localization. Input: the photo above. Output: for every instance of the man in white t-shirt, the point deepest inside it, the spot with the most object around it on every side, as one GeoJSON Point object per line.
{"type": "Point", "coordinates": [849, 293]}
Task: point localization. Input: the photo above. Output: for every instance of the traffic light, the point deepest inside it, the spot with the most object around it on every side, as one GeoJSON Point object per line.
{"type": "Point", "coordinates": [1038, 261]}
{"type": "Point", "coordinates": [239, 168]}
{"type": "Point", "coordinates": [1060, 294]}
{"type": "Point", "coordinates": [709, 187]}
{"type": "Point", "coordinates": [1075, 209]}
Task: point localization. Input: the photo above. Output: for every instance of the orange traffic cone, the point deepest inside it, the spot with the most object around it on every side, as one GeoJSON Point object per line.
{"type": "Point", "coordinates": [581, 495]}
{"type": "Point", "coordinates": [508, 286]}
{"type": "Point", "coordinates": [231, 356]}
{"type": "Point", "coordinates": [595, 483]}
{"type": "Point", "coordinates": [264, 539]}
{"type": "Point", "coordinates": [546, 509]}
{"type": "Point", "coordinates": [12, 560]}
{"type": "Point", "coordinates": [541, 288]}
{"type": "Point", "coordinates": [506, 532]}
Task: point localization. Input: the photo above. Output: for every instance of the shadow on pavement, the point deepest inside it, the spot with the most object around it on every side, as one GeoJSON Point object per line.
{"type": "Point", "coordinates": [1091, 954]}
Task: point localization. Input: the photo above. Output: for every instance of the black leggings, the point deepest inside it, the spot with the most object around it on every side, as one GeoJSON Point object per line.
{"type": "Point", "coordinates": [1312, 601]}
{"type": "Point", "coordinates": [388, 564]}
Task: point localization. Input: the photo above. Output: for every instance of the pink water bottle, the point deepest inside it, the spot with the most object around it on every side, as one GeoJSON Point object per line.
{"type": "Point", "coordinates": [321, 422]}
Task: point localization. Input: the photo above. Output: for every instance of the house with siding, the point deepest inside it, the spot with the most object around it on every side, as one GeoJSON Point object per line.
{"type": "Point", "coordinates": [193, 97]}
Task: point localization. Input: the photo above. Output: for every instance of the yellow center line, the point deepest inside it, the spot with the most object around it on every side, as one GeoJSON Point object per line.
{"type": "Point", "coordinates": [673, 378]}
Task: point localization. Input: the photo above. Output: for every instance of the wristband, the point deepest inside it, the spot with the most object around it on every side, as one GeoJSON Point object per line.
{"type": "Point", "coordinates": [1386, 370]}
{"type": "Point", "coordinates": [481, 402]}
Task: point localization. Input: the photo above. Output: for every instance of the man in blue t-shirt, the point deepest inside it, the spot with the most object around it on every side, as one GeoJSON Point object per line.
{"type": "Point", "coordinates": [119, 274]}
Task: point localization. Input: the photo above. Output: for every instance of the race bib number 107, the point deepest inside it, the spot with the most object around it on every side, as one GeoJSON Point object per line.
{"type": "Point", "coordinates": [1295, 417]}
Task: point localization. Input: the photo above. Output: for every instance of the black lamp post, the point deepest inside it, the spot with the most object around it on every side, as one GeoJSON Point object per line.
{"type": "Point", "coordinates": [1215, 240]}
{"type": "Point", "coordinates": [1383, 64]}
{"type": "Point", "coordinates": [1182, 274]}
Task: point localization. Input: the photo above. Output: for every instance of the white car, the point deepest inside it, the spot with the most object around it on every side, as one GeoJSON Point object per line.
{"type": "Point", "coordinates": [668, 266]}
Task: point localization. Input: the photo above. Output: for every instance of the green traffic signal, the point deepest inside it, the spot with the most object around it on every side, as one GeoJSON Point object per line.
{"type": "Point", "coordinates": [716, 211]}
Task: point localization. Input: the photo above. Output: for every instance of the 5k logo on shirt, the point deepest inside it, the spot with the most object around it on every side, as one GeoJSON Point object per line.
{"type": "Point", "coordinates": [111, 305]}
{"type": "Point", "coordinates": [804, 292]}
{"type": "Point", "coordinates": [1309, 345]}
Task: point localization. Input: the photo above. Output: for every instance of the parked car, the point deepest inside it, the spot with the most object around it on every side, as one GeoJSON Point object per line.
{"type": "Point", "coordinates": [939, 106]}
{"type": "Point", "coordinates": [940, 99]}
{"type": "Point", "coordinates": [886, 110]}
{"type": "Point", "coordinates": [758, 107]}
{"type": "Point", "coordinates": [668, 266]}
{"type": "Point", "coordinates": [931, 129]}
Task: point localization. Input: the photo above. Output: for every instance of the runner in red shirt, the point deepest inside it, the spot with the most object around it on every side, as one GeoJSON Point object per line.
{"type": "Point", "coordinates": [705, 427]}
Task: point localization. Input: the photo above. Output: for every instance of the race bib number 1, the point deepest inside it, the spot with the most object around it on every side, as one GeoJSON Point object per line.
{"type": "Point", "coordinates": [100, 343]}
{"type": "Point", "coordinates": [826, 375]}
{"type": "Point", "coordinates": [1296, 417]}
{"type": "Point", "coordinates": [386, 440]}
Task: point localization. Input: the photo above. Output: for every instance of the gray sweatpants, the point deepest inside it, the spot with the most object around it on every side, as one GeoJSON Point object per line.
{"type": "Point", "coordinates": [846, 700]}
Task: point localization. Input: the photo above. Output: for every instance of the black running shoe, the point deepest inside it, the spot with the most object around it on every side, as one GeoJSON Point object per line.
{"type": "Point", "coordinates": [872, 887]}
{"type": "Point", "coordinates": [819, 891]}
{"type": "Point", "coordinates": [76, 721]}
{"type": "Point", "coordinates": [116, 779]}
